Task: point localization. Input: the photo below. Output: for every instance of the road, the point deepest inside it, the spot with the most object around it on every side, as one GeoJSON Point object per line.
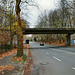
{"type": "Point", "coordinates": [53, 60]}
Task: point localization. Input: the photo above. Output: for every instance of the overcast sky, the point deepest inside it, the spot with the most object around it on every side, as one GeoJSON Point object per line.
{"type": "Point", "coordinates": [34, 12]}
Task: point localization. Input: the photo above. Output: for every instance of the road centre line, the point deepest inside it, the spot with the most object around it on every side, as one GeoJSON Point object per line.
{"type": "Point", "coordinates": [73, 68]}
{"type": "Point", "coordinates": [63, 51]}
{"type": "Point", "coordinates": [56, 58]}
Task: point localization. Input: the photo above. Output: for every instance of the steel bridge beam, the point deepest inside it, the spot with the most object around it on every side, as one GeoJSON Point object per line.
{"type": "Point", "coordinates": [48, 30]}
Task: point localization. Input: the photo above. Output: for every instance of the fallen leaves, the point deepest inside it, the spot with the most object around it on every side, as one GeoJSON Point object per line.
{"type": "Point", "coordinates": [2, 72]}
{"type": "Point", "coordinates": [57, 43]}
{"type": "Point", "coordinates": [24, 47]}
{"type": "Point", "coordinates": [8, 53]}
{"type": "Point", "coordinates": [16, 59]}
{"type": "Point", "coordinates": [9, 67]}
{"type": "Point", "coordinates": [28, 46]}
{"type": "Point", "coordinates": [29, 63]}
{"type": "Point", "coordinates": [6, 67]}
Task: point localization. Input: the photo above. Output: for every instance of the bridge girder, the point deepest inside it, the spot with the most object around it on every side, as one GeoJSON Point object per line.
{"type": "Point", "coordinates": [48, 30]}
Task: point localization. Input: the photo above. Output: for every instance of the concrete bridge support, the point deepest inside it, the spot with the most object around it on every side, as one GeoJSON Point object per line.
{"type": "Point", "coordinates": [68, 40]}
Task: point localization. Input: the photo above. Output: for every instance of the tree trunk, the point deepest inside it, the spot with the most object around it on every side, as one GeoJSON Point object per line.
{"type": "Point", "coordinates": [19, 33]}
{"type": "Point", "coordinates": [12, 36]}
{"type": "Point", "coordinates": [20, 37]}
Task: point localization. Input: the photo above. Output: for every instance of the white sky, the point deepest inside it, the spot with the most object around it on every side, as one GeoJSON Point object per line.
{"type": "Point", "coordinates": [34, 12]}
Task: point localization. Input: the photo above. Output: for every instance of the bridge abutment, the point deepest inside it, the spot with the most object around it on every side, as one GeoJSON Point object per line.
{"type": "Point", "coordinates": [68, 38]}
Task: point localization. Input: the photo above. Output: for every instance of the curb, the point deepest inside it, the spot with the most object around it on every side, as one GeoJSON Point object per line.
{"type": "Point", "coordinates": [29, 63]}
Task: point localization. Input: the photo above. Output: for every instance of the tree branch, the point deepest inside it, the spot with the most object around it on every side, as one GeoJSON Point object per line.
{"type": "Point", "coordinates": [28, 3]}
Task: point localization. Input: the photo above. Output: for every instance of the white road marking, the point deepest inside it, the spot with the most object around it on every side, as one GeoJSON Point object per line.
{"type": "Point", "coordinates": [56, 58]}
{"type": "Point", "coordinates": [73, 68]}
{"type": "Point", "coordinates": [47, 53]}
{"type": "Point", "coordinates": [64, 51]}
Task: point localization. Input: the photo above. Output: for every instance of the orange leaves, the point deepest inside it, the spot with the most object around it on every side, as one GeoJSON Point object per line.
{"type": "Point", "coordinates": [24, 47]}
{"type": "Point", "coordinates": [19, 59]}
{"type": "Point", "coordinates": [8, 53]}
{"type": "Point", "coordinates": [29, 62]}
{"type": "Point", "coordinates": [28, 46]}
{"type": "Point", "coordinates": [57, 43]}
{"type": "Point", "coordinates": [16, 59]}
{"type": "Point", "coordinates": [6, 67]}
{"type": "Point", "coordinates": [2, 72]}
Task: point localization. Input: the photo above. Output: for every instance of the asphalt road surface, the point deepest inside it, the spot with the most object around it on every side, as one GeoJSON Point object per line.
{"type": "Point", "coordinates": [53, 60]}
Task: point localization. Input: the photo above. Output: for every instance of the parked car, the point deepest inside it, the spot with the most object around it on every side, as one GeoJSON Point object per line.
{"type": "Point", "coordinates": [27, 41]}
{"type": "Point", "coordinates": [41, 44]}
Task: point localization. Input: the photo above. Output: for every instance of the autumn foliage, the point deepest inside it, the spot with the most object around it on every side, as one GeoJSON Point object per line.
{"type": "Point", "coordinates": [6, 67]}
{"type": "Point", "coordinates": [8, 53]}
{"type": "Point", "coordinates": [4, 37]}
